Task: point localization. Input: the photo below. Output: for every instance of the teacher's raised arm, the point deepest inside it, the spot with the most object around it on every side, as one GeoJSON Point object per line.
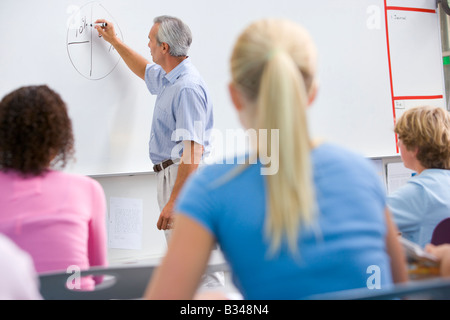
{"type": "Point", "coordinates": [133, 60]}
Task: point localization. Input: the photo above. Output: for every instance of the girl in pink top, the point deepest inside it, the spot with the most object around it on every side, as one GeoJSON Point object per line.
{"type": "Point", "coordinates": [58, 218]}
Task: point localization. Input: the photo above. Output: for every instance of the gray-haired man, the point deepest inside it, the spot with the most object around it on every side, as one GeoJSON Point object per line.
{"type": "Point", "coordinates": [183, 113]}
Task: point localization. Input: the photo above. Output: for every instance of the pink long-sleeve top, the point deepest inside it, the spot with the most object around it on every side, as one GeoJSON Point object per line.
{"type": "Point", "coordinates": [58, 218]}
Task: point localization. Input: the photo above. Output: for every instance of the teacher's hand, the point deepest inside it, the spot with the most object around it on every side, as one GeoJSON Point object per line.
{"type": "Point", "coordinates": [166, 218]}
{"type": "Point", "coordinates": [108, 33]}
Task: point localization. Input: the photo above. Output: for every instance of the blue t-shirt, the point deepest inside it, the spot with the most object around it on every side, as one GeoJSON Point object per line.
{"type": "Point", "coordinates": [419, 205]}
{"type": "Point", "coordinates": [183, 110]}
{"type": "Point", "coordinates": [337, 255]}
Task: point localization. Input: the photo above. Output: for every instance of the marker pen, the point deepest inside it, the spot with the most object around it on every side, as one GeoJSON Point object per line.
{"type": "Point", "coordinates": [102, 24]}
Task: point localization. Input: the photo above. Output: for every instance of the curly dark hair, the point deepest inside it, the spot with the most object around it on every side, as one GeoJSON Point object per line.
{"type": "Point", "coordinates": [35, 131]}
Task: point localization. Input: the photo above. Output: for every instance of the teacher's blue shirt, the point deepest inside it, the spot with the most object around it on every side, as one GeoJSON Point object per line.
{"type": "Point", "coordinates": [183, 110]}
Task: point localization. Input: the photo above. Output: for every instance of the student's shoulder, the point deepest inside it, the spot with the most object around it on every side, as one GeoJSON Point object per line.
{"type": "Point", "coordinates": [337, 154]}
{"type": "Point", "coordinates": [74, 179]}
{"type": "Point", "coordinates": [332, 159]}
{"type": "Point", "coordinates": [441, 175]}
{"type": "Point", "coordinates": [213, 170]}
{"type": "Point", "coordinates": [216, 175]}
{"type": "Point", "coordinates": [430, 179]}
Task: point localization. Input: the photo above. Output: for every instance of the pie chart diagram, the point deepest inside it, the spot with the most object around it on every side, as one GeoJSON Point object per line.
{"type": "Point", "coordinates": [90, 55]}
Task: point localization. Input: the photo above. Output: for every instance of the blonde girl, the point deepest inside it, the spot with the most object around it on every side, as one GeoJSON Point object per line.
{"type": "Point", "coordinates": [314, 225]}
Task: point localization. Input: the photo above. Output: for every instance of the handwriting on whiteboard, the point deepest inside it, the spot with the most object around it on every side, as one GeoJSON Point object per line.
{"type": "Point", "coordinates": [398, 17]}
{"type": "Point", "coordinates": [89, 54]}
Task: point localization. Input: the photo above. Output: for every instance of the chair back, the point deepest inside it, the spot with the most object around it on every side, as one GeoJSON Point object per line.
{"type": "Point", "coordinates": [441, 233]}
{"type": "Point", "coordinates": [119, 282]}
{"type": "Point", "coordinates": [430, 289]}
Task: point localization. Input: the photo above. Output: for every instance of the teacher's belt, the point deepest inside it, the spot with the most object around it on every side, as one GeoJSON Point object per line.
{"type": "Point", "coordinates": [167, 163]}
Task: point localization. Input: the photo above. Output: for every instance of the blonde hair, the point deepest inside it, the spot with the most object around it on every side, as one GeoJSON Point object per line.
{"type": "Point", "coordinates": [428, 129]}
{"type": "Point", "coordinates": [273, 64]}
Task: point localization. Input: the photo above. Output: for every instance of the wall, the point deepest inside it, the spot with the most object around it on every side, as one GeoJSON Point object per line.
{"type": "Point", "coordinates": [143, 187]}
{"type": "Point", "coordinates": [112, 112]}
{"type": "Point", "coordinates": [51, 42]}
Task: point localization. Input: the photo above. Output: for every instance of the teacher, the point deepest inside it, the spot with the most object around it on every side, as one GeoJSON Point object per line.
{"type": "Point", "coordinates": [183, 113]}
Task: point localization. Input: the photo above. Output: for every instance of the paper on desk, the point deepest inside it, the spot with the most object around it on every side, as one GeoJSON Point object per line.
{"type": "Point", "coordinates": [397, 176]}
{"type": "Point", "coordinates": [415, 253]}
{"type": "Point", "coordinates": [125, 223]}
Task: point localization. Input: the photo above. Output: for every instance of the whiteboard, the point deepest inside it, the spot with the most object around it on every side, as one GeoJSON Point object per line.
{"type": "Point", "coordinates": [364, 83]}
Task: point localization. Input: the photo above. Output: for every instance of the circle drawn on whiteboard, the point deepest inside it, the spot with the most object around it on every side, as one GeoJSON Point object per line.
{"type": "Point", "coordinates": [93, 57]}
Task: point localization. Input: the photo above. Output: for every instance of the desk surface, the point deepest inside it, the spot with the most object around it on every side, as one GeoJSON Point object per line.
{"type": "Point", "coordinates": [216, 262]}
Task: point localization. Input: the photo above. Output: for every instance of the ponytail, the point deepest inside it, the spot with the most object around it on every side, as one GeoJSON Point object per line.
{"type": "Point", "coordinates": [273, 65]}
{"type": "Point", "coordinates": [282, 102]}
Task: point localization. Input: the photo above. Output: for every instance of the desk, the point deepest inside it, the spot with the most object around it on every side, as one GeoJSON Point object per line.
{"type": "Point", "coordinates": [417, 271]}
{"type": "Point", "coordinates": [216, 261]}
{"type": "Point", "coordinates": [125, 280]}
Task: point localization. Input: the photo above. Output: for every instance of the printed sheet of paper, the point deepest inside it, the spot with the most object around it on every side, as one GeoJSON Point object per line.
{"type": "Point", "coordinates": [125, 223]}
{"type": "Point", "coordinates": [397, 176]}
